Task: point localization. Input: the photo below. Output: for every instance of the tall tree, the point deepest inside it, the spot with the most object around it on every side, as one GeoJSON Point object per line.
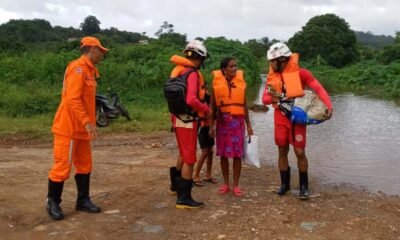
{"type": "Point", "coordinates": [90, 25]}
{"type": "Point", "coordinates": [165, 28]}
{"type": "Point", "coordinates": [328, 37]}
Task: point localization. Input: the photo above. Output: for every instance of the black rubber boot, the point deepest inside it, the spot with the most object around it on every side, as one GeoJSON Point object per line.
{"type": "Point", "coordinates": [184, 198]}
{"type": "Point", "coordinates": [54, 199]}
{"type": "Point", "coordinates": [173, 174]}
{"type": "Point", "coordinates": [83, 202]}
{"type": "Point", "coordinates": [304, 193]}
{"type": "Point", "coordinates": [285, 182]}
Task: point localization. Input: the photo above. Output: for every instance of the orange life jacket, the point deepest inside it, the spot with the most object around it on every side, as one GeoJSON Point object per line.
{"type": "Point", "coordinates": [288, 79]}
{"type": "Point", "coordinates": [229, 100]}
{"type": "Point", "coordinates": [182, 64]}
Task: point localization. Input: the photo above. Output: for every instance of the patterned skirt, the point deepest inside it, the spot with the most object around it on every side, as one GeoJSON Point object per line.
{"type": "Point", "coordinates": [230, 132]}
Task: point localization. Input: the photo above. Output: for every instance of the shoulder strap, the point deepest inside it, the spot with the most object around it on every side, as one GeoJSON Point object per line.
{"type": "Point", "coordinates": [186, 75]}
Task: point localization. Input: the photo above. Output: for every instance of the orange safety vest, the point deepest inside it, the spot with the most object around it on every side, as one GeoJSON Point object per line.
{"type": "Point", "coordinates": [229, 100]}
{"type": "Point", "coordinates": [182, 64]}
{"type": "Point", "coordinates": [289, 78]}
{"type": "Point", "coordinates": [78, 100]}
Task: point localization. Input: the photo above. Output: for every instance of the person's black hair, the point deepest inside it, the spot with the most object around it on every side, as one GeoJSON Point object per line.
{"type": "Point", "coordinates": [225, 62]}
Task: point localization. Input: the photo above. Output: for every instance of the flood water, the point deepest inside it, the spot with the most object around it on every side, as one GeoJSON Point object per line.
{"type": "Point", "coordinates": [360, 145]}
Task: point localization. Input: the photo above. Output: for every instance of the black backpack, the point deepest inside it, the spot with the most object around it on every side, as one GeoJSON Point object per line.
{"type": "Point", "coordinates": [175, 94]}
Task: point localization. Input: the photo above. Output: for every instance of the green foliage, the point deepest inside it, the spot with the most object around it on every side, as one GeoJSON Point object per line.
{"type": "Point", "coordinates": [62, 34]}
{"type": "Point", "coordinates": [390, 53]}
{"type": "Point", "coordinates": [368, 77]}
{"type": "Point", "coordinates": [36, 30]}
{"type": "Point", "coordinates": [121, 37]}
{"type": "Point", "coordinates": [397, 38]}
{"type": "Point", "coordinates": [374, 41]}
{"type": "Point", "coordinates": [9, 45]}
{"type": "Point", "coordinates": [366, 52]}
{"type": "Point", "coordinates": [327, 36]}
{"type": "Point", "coordinates": [32, 67]}
{"type": "Point", "coordinates": [31, 81]}
{"type": "Point", "coordinates": [259, 49]}
{"type": "Point", "coordinates": [221, 47]}
{"type": "Point", "coordinates": [90, 25]}
{"type": "Point", "coordinates": [173, 38]}
{"type": "Point", "coordinates": [32, 127]}
{"type": "Point", "coordinates": [18, 36]}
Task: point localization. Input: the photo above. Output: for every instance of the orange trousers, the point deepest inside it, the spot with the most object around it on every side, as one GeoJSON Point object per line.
{"type": "Point", "coordinates": [68, 151]}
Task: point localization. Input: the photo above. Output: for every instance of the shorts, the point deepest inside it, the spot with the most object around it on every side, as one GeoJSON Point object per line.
{"type": "Point", "coordinates": [205, 140]}
{"type": "Point", "coordinates": [187, 143]}
{"type": "Point", "coordinates": [288, 133]}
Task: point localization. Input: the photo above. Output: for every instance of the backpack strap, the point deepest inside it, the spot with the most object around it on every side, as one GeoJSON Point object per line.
{"type": "Point", "coordinates": [186, 75]}
{"type": "Point", "coordinates": [192, 116]}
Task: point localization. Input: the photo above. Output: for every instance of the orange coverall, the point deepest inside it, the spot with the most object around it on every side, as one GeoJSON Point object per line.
{"type": "Point", "coordinates": [77, 108]}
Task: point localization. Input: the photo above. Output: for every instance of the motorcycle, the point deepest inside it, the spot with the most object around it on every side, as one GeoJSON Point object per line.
{"type": "Point", "coordinates": [108, 108]}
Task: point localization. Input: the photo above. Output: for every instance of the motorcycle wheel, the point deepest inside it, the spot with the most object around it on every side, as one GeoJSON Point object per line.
{"type": "Point", "coordinates": [101, 118]}
{"type": "Point", "coordinates": [123, 111]}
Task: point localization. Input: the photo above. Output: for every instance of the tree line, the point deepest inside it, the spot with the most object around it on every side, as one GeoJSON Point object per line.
{"type": "Point", "coordinates": [33, 56]}
{"type": "Point", "coordinates": [325, 39]}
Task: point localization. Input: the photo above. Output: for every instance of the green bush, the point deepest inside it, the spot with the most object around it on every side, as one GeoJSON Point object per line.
{"type": "Point", "coordinates": [31, 81]}
{"type": "Point", "coordinates": [369, 77]}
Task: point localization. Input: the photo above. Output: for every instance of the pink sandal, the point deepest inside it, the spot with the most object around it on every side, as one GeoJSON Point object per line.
{"type": "Point", "coordinates": [223, 189]}
{"type": "Point", "coordinates": [237, 191]}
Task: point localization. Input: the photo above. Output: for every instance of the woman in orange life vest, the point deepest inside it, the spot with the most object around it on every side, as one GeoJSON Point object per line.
{"type": "Point", "coordinates": [186, 133]}
{"type": "Point", "coordinates": [229, 110]}
{"type": "Point", "coordinates": [286, 78]}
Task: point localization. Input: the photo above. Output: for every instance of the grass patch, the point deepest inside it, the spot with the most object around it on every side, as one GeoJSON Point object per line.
{"type": "Point", "coordinates": [145, 118]}
{"type": "Point", "coordinates": [32, 127]}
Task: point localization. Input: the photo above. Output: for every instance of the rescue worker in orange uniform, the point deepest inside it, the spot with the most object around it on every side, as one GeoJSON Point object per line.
{"type": "Point", "coordinates": [74, 127]}
{"type": "Point", "coordinates": [186, 133]}
{"type": "Point", "coordinates": [287, 79]}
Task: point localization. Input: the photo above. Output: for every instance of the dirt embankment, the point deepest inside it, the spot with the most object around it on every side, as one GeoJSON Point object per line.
{"type": "Point", "coordinates": [130, 183]}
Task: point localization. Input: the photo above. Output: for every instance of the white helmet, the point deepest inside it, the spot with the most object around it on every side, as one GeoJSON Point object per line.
{"type": "Point", "coordinates": [197, 47]}
{"type": "Point", "coordinates": [278, 50]}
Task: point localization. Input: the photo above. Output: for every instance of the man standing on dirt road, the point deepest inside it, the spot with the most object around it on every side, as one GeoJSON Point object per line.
{"type": "Point", "coordinates": [186, 131]}
{"type": "Point", "coordinates": [74, 126]}
{"type": "Point", "coordinates": [288, 80]}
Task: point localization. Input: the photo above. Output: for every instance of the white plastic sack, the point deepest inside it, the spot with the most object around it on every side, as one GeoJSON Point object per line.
{"type": "Point", "coordinates": [312, 105]}
{"type": "Point", "coordinates": [251, 156]}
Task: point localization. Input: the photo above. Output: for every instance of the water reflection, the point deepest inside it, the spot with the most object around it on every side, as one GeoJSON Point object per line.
{"type": "Point", "coordinates": [359, 145]}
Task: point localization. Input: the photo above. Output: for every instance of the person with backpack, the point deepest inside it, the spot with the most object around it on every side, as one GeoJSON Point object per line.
{"type": "Point", "coordinates": [286, 80]}
{"type": "Point", "coordinates": [186, 80]}
{"type": "Point", "coordinates": [230, 112]}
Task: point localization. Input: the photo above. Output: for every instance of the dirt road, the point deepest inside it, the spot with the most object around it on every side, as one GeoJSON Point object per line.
{"type": "Point", "coordinates": [130, 183]}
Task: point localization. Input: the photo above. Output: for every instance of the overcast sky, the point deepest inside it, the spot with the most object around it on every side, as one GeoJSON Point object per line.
{"type": "Point", "coordinates": [234, 19]}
